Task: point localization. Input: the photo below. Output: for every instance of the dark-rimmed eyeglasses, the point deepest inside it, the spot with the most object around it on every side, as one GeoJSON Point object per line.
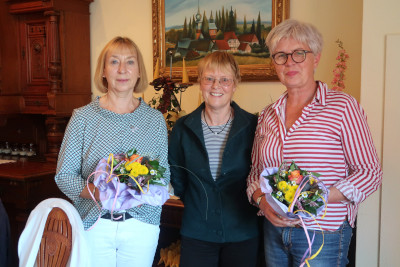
{"type": "Point", "coordinates": [224, 81]}
{"type": "Point", "coordinates": [298, 56]}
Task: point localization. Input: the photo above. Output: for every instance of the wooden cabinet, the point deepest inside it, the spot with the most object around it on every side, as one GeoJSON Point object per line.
{"type": "Point", "coordinates": [171, 215]}
{"type": "Point", "coordinates": [45, 61]}
{"type": "Point", "coordinates": [45, 57]}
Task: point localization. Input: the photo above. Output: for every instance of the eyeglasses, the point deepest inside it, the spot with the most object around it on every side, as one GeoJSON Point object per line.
{"type": "Point", "coordinates": [208, 80]}
{"type": "Point", "coordinates": [298, 56]}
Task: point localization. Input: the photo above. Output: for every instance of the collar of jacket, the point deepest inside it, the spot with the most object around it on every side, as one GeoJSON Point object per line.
{"type": "Point", "coordinates": [239, 123]}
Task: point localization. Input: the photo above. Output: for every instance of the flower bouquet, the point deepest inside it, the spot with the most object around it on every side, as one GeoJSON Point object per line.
{"type": "Point", "coordinates": [127, 180]}
{"type": "Point", "coordinates": [293, 192]}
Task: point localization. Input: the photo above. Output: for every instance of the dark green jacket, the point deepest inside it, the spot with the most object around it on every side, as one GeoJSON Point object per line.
{"type": "Point", "coordinates": [215, 211]}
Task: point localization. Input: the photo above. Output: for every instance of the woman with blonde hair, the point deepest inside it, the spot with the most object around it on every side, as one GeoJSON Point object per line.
{"type": "Point", "coordinates": [209, 155]}
{"type": "Point", "coordinates": [114, 123]}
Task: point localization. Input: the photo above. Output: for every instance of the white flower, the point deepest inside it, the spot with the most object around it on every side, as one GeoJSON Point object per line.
{"type": "Point", "coordinates": [304, 194]}
{"type": "Point", "coordinates": [279, 193]}
{"type": "Point", "coordinates": [153, 172]}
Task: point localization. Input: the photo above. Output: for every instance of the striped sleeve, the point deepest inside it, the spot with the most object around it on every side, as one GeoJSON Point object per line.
{"type": "Point", "coordinates": [256, 158]}
{"type": "Point", "coordinates": [365, 174]}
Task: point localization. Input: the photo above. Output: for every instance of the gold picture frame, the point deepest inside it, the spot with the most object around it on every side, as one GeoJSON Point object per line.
{"type": "Point", "coordinates": [252, 72]}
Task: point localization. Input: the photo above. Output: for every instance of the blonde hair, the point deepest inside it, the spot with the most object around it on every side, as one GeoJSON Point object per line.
{"type": "Point", "coordinates": [219, 60]}
{"type": "Point", "coordinates": [119, 43]}
{"type": "Point", "coordinates": [302, 32]}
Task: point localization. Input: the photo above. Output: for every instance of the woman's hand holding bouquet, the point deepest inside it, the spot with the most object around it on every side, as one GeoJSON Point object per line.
{"type": "Point", "coordinates": [295, 194]}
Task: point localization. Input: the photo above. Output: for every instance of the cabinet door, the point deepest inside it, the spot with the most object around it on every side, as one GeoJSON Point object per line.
{"type": "Point", "coordinates": [35, 63]}
{"type": "Point", "coordinates": [9, 62]}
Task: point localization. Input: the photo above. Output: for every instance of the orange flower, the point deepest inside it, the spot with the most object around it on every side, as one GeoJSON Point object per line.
{"type": "Point", "coordinates": [295, 176]}
{"type": "Point", "coordinates": [135, 158]}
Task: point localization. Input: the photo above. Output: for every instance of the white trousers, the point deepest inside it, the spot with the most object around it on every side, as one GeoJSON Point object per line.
{"type": "Point", "coordinates": [130, 243]}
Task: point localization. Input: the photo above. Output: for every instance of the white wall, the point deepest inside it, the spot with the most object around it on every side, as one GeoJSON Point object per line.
{"type": "Point", "coordinates": [379, 221]}
{"type": "Point", "coordinates": [390, 233]}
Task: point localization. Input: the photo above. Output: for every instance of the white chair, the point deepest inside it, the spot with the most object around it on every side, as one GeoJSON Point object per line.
{"type": "Point", "coordinates": [53, 236]}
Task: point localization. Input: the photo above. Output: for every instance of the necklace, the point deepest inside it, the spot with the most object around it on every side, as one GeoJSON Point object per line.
{"type": "Point", "coordinates": [205, 120]}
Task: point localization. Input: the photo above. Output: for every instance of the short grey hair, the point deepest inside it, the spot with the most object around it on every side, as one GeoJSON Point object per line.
{"type": "Point", "coordinates": [302, 32]}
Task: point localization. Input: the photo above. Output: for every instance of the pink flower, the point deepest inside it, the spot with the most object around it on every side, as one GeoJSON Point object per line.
{"type": "Point", "coordinates": [340, 67]}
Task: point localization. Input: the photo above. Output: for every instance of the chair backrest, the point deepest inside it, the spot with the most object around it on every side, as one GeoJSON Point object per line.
{"type": "Point", "coordinates": [56, 244]}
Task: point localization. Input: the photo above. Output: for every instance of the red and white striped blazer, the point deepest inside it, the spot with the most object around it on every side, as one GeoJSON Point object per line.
{"type": "Point", "coordinates": [330, 137]}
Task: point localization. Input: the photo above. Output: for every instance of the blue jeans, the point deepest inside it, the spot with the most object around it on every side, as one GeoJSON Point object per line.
{"type": "Point", "coordinates": [285, 246]}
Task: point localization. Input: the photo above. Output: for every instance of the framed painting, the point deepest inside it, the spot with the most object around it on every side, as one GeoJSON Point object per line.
{"type": "Point", "coordinates": [184, 31]}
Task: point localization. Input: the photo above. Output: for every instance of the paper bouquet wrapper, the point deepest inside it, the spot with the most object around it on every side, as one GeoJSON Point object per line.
{"type": "Point", "coordinates": [116, 196]}
{"type": "Point", "coordinates": [278, 206]}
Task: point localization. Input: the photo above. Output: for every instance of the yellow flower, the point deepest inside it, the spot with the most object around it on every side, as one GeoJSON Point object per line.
{"type": "Point", "coordinates": [136, 165]}
{"type": "Point", "coordinates": [134, 173]}
{"type": "Point", "coordinates": [293, 187]}
{"type": "Point", "coordinates": [128, 167]}
{"type": "Point", "coordinates": [289, 195]}
{"type": "Point", "coordinates": [282, 186]}
{"type": "Point", "coordinates": [143, 170]}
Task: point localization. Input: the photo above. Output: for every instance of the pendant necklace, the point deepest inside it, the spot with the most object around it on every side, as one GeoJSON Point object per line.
{"type": "Point", "coordinates": [205, 120]}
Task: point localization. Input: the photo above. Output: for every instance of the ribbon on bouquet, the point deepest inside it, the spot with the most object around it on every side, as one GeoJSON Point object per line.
{"type": "Point", "coordinates": [303, 183]}
{"type": "Point", "coordinates": [93, 197]}
{"type": "Point", "coordinates": [305, 259]}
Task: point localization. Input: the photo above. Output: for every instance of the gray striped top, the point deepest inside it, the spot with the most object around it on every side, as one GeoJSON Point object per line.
{"type": "Point", "coordinates": [215, 141]}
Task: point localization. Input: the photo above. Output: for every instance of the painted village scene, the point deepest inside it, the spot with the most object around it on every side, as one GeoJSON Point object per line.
{"type": "Point", "coordinates": [194, 28]}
